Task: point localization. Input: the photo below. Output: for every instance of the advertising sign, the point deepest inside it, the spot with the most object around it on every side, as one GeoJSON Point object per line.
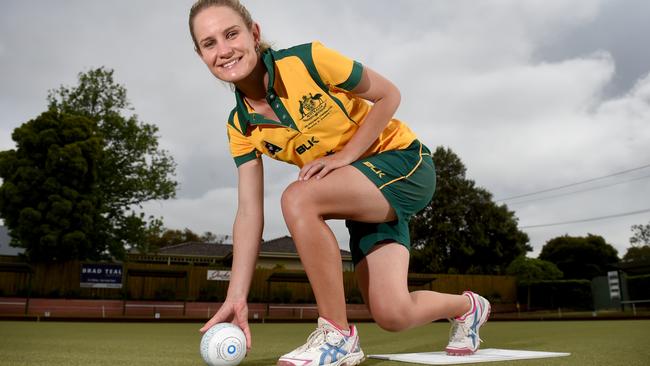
{"type": "Point", "coordinates": [101, 275]}
{"type": "Point", "coordinates": [218, 275]}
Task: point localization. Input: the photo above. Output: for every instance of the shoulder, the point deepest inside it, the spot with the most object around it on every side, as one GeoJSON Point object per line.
{"type": "Point", "coordinates": [305, 51]}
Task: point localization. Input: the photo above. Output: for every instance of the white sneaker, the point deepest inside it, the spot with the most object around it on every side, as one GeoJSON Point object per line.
{"type": "Point", "coordinates": [463, 337]}
{"type": "Point", "coordinates": [326, 346]}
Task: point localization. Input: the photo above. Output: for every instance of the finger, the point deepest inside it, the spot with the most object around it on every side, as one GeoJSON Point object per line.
{"type": "Point", "coordinates": [313, 170]}
{"type": "Point", "coordinates": [247, 333]}
{"type": "Point", "coordinates": [323, 172]}
{"type": "Point", "coordinates": [305, 171]}
{"type": "Point", "coordinates": [243, 324]}
{"type": "Point", "coordinates": [217, 318]}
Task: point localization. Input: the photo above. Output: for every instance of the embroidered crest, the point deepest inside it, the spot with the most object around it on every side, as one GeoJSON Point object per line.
{"type": "Point", "coordinates": [273, 149]}
{"type": "Point", "coordinates": [311, 106]}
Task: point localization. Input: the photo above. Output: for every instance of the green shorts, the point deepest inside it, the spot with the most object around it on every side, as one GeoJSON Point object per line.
{"type": "Point", "coordinates": [407, 178]}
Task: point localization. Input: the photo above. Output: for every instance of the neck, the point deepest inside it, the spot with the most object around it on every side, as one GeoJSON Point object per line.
{"type": "Point", "coordinates": [253, 86]}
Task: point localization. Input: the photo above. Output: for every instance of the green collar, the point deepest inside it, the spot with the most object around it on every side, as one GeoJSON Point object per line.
{"type": "Point", "coordinates": [246, 119]}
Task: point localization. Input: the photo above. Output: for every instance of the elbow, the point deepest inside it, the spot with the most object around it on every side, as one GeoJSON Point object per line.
{"type": "Point", "coordinates": [397, 97]}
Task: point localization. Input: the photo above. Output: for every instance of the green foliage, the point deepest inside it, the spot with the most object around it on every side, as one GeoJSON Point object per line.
{"type": "Point", "coordinates": [133, 168]}
{"type": "Point", "coordinates": [50, 197]}
{"type": "Point", "coordinates": [70, 188]}
{"type": "Point", "coordinates": [640, 234]}
{"type": "Point", "coordinates": [639, 287]}
{"type": "Point", "coordinates": [571, 294]}
{"type": "Point", "coordinates": [530, 270]}
{"type": "Point", "coordinates": [462, 230]}
{"type": "Point", "coordinates": [580, 257]}
{"type": "Point", "coordinates": [160, 237]}
{"type": "Point", "coordinates": [637, 254]}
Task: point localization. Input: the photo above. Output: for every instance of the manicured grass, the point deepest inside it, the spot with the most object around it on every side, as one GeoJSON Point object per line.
{"type": "Point", "coordinates": [75, 344]}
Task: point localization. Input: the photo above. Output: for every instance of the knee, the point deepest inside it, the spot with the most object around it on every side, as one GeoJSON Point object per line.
{"type": "Point", "coordinates": [295, 201]}
{"type": "Point", "coordinates": [390, 316]}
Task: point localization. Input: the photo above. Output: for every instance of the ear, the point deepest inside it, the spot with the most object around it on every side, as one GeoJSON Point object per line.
{"type": "Point", "coordinates": [257, 33]}
{"type": "Point", "coordinates": [198, 52]}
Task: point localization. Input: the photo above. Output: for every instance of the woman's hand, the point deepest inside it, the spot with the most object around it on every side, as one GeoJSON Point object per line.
{"type": "Point", "coordinates": [322, 166]}
{"type": "Point", "coordinates": [235, 312]}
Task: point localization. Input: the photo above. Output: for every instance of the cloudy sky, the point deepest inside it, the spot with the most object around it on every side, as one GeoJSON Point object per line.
{"type": "Point", "coordinates": [532, 95]}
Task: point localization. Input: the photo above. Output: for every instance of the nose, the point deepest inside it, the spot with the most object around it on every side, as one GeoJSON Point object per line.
{"type": "Point", "coordinates": [224, 50]}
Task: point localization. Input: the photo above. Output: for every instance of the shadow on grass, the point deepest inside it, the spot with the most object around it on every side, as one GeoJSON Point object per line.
{"type": "Point", "coordinates": [261, 362]}
{"type": "Point", "coordinates": [274, 360]}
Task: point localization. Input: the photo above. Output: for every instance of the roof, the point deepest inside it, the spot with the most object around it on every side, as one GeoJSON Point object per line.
{"type": "Point", "coordinates": [284, 245]}
{"type": "Point", "coordinates": [198, 249]}
{"type": "Point", "coordinates": [634, 268]}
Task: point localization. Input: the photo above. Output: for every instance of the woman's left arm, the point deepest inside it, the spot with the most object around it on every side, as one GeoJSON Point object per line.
{"type": "Point", "coordinates": [386, 98]}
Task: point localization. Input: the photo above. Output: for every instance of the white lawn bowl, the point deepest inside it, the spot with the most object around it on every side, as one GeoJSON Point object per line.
{"type": "Point", "coordinates": [223, 345]}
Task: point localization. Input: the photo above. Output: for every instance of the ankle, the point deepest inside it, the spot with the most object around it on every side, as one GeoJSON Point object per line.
{"type": "Point", "coordinates": [341, 326]}
{"type": "Point", "coordinates": [467, 306]}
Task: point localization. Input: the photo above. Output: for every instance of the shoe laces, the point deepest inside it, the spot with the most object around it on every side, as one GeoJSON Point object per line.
{"type": "Point", "coordinates": [319, 336]}
{"type": "Point", "coordinates": [459, 330]}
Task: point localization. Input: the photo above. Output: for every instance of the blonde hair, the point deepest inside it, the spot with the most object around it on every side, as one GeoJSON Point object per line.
{"type": "Point", "coordinates": [235, 5]}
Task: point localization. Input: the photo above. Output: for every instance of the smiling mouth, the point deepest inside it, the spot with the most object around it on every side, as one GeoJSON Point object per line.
{"type": "Point", "coordinates": [230, 64]}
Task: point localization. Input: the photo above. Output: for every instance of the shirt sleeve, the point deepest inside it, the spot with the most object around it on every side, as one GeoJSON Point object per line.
{"type": "Point", "coordinates": [334, 68]}
{"type": "Point", "coordinates": [241, 148]}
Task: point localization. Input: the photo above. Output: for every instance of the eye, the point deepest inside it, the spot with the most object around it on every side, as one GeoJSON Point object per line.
{"type": "Point", "coordinates": [208, 44]}
{"type": "Point", "coordinates": [231, 34]}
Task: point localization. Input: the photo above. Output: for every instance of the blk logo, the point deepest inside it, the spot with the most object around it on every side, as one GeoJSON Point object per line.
{"type": "Point", "coordinates": [306, 146]}
{"type": "Point", "coordinates": [374, 169]}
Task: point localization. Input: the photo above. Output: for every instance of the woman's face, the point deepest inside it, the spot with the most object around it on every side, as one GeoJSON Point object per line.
{"type": "Point", "coordinates": [226, 45]}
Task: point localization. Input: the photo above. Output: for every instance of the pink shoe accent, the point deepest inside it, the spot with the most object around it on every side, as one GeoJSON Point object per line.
{"type": "Point", "coordinates": [345, 332]}
{"type": "Point", "coordinates": [293, 362]}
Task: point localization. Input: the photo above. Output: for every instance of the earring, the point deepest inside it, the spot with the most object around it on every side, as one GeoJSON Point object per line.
{"type": "Point", "coordinates": [257, 48]}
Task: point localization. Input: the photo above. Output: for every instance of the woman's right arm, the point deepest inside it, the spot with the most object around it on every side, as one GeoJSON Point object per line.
{"type": "Point", "coordinates": [247, 237]}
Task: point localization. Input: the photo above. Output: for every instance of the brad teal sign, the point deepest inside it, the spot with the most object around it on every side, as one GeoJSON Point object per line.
{"type": "Point", "coordinates": [101, 275]}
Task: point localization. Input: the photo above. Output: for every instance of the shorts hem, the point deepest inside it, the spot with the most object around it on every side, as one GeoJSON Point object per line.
{"type": "Point", "coordinates": [369, 242]}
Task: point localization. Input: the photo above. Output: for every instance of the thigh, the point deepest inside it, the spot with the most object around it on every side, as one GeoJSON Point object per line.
{"type": "Point", "coordinates": [383, 274]}
{"type": "Point", "coordinates": [345, 193]}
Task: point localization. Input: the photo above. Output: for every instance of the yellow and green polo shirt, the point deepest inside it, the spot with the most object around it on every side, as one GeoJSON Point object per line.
{"type": "Point", "coordinates": [308, 89]}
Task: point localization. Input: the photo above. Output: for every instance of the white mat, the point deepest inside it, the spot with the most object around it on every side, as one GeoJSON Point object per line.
{"type": "Point", "coordinates": [483, 355]}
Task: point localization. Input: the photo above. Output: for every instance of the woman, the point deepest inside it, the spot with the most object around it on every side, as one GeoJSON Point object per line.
{"type": "Point", "coordinates": [333, 118]}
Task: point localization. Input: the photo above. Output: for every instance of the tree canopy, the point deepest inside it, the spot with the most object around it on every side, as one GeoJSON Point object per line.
{"type": "Point", "coordinates": [49, 198]}
{"type": "Point", "coordinates": [128, 168]}
{"type": "Point", "coordinates": [462, 230]}
{"type": "Point", "coordinates": [580, 257]}
{"type": "Point", "coordinates": [637, 254]}
{"type": "Point", "coordinates": [167, 237]}
{"type": "Point", "coordinates": [640, 240]}
{"type": "Point", "coordinates": [531, 270]}
{"type": "Point", "coordinates": [640, 234]}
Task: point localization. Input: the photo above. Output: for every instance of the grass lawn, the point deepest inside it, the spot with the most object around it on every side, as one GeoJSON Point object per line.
{"type": "Point", "coordinates": [591, 343]}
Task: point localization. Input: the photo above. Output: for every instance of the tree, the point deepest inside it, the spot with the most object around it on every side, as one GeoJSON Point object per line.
{"type": "Point", "coordinates": [130, 169]}
{"type": "Point", "coordinates": [50, 199]}
{"type": "Point", "coordinates": [640, 235]}
{"type": "Point", "coordinates": [166, 237]}
{"type": "Point", "coordinates": [580, 257]}
{"type": "Point", "coordinates": [133, 169]}
{"type": "Point", "coordinates": [462, 230]}
{"type": "Point", "coordinates": [637, 254]}
{"type": "Point", "coordinates": [532, 270]}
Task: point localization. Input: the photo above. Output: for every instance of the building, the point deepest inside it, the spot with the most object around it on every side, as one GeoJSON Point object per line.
{"type": "Point", "coordinates": [276, 253]}
{"type": "Point", "coordinates": [5, 248]}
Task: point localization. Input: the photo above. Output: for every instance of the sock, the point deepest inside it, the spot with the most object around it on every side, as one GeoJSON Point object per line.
{"type": "Point", "coordinates": [341, 330]}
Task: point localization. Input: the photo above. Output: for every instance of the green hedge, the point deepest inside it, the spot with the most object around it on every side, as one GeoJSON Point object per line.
{"type": "Point", "coordinates": [568, 294]}
{"type": "Point", "coordinates": [639, 287]}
